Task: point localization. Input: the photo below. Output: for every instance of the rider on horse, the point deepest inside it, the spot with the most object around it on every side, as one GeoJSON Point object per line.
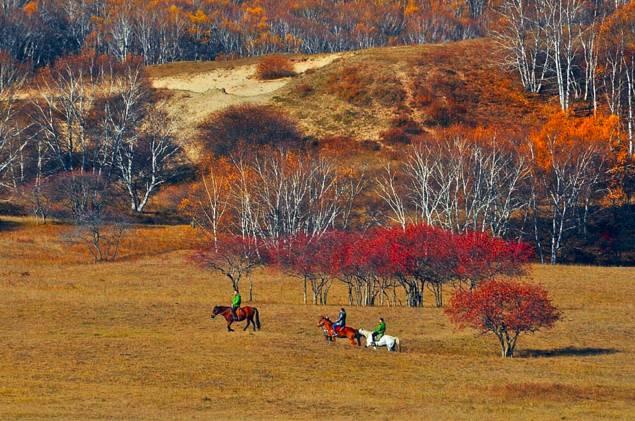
{"type": "Point", "coordinates": [380, 330]}
{"type": "Point", "coordinates": [235, 304]}
{"type": "Point", "coordinates": [340, 323]}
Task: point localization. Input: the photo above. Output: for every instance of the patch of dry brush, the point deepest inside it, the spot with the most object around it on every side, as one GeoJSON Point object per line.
{"type": "Point", "coordinates": [274, 67]}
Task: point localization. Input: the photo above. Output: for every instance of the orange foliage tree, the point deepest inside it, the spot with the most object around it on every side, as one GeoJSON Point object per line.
{"type": "Point", "coordinates": [571, 158]}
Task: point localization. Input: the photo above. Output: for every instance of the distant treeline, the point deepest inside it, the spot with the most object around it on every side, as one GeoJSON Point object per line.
{"type": "Point", "coordinates": [40, 31]}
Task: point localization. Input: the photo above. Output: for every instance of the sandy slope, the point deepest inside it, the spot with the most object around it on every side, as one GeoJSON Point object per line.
{"type": "Point", "coordinates": [237, 80]}
{"type": "Point", "coordinates": [195, 95]}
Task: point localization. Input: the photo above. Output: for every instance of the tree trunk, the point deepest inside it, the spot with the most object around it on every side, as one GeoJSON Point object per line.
{"type": "Point", "coordinates": [508, 343]}
{"type": "Point", "coordinates": [438, 294]}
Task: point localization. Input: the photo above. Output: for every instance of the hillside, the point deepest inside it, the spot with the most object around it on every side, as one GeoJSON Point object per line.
{"type": "Point", "coordinates": [358, 94]}
{"type": "Point", "coordinates": [197, 89]}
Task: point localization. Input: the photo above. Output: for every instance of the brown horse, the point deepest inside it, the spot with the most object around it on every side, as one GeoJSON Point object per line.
{"type": "Point", "coordinates": [244, 313]}
{"type": "Point", "coordinates": [353, 335]}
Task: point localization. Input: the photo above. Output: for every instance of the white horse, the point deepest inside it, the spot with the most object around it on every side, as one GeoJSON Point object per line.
{"type": "Point", "coordinates": [390, 342]}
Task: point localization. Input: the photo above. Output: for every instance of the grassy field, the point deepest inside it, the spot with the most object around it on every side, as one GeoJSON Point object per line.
{"type": "Point", "coordinates": [133, 339]}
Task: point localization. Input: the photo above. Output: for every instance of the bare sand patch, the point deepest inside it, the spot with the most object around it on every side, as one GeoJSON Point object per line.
{"type": "Point", "coordinates": [195, 95]}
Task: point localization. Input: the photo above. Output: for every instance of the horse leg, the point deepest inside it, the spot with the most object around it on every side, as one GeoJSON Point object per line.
{"type": "Point", "coordinates": [247, 325]}
{"type": "Point", "coordinates": [229, 325]}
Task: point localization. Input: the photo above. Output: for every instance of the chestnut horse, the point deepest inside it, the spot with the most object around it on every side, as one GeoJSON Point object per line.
{"type": "Point", "coordinates": [348, 332]}
{"type": "Point", "coordinates": [249, 313]}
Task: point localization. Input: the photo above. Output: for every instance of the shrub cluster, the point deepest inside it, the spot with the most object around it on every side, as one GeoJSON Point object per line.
{"type": "Point", "coordinates": [361, 86]}
{"type": "Point", "coordinates": [249, 125]}
{"type": "Point", "coordinates": [274, 67]}
{"type": "Point", "coordinates": [410, 258]}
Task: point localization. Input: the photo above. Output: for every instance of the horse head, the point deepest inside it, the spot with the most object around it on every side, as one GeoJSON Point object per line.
{"type": "Point", "coordinates": [324, 320]}
{"type": "Point", "coordinates": [217, 310]}
{"type": "Point", "coordinates": [368, 335]}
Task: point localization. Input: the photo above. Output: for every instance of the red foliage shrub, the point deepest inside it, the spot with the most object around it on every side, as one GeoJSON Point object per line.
{"type": "Point", "coordinates": [251, 125]}
{"type": "Point", "coordinates": [313, 259]}
{"type": "Point", "coordinates": [395, 136]}
{"type": "Point", "coordinates": [423, 97]}
{"type": "Point", "coordinates": [505, 308]}
{"type": "Point", "coordinates": [361, 86]}
{"type": "Point", "coordinates": [274, 67]}
{"type": "Point", "coordinates": [388, 90]}
{"type": "Point", "coordinates": [351, 86]}
{"type": "Point", "coordinates": [440, 95]}
{"type": "Point", "coordinates": [407, 124]}
{"type": "Point", "coordinates": [439, 114]}
{"type": "Point", "coordinates": [339, 147]}
{"type": "Point", "coordinates": [371, 145]}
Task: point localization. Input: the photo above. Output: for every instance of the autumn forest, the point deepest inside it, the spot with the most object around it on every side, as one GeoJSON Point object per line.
{"type": "Point", "coordinates": [317, 209]}
{"type": "Point", "coordinates": [518, 121]}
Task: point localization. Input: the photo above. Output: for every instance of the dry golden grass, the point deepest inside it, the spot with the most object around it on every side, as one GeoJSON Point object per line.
{"type": "Point", "coordinates": [133, 339]}
{"type": "Point", "coordinates": [490, 95]}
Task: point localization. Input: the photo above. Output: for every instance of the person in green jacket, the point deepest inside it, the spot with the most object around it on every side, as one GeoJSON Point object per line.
{"type": "Point", "coordinates": [235, 304]}
{"type": "Point", "coordinates": [380, 330]}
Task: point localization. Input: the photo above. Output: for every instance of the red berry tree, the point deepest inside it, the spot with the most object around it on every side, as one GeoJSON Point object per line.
{"type": "Point", "coordinates": [481, 257]}
{"type": "Point", "coordinates": [505, 308]}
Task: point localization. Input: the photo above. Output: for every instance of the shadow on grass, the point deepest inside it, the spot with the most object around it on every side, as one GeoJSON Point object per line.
{"type": "Point", "coordinates": [8, 225]}
{"type": "Point", "coordinates": [570, 351]}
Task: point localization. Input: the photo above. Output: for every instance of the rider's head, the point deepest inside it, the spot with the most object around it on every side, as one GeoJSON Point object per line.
{"type": "Point", "coordinates": [343, 309]}
{"type": "Point", "coordinates": [381, 319]}
{"type": "Point", "coordinates": [235, 291]}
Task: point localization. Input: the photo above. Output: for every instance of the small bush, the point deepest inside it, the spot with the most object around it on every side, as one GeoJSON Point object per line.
{"type": "Point", "coordinates": [274, 67]}
{"type": "Point", "coordinates": [249, 125]}
{"type": "Point", "coordinates": [388, 91]}
{"type": "Point", "coordinates": [395, 136]}
{"type": "Point", "coordinates": [371, 145]}
{"type": "Point", "coordinates": [352, 86]}
{"type": "Point", "coordinates": [439, 114]}
{"type": "Point", "coordinates": [362, 86]}
{"type": "Point", "coordinates": [445, 114]}
{"type": "Point", "coordinates": [407, 124]}
{"type": "Point", "coordinates": [303, 90]}
{"type": "Point", "coordinates": [423, 97]}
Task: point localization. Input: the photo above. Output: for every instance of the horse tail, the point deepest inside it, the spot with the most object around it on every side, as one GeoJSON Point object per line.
{"type": "Point", "coordinates": [397, 345]}
{"type": "Point", "coordinates": [257, 314]}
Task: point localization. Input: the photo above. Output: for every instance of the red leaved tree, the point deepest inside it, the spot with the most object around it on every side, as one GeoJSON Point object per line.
{"type": "Point", "coordinates": [360, 263]}
{"type": "Point", "coordinates": [313, 259]}
{"type": "Point", "coordinates": [433, 254]}
{"type": "Point", "coordinates": [505, 308]}
{"type": "Point", "coordinates": [482, 257]}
